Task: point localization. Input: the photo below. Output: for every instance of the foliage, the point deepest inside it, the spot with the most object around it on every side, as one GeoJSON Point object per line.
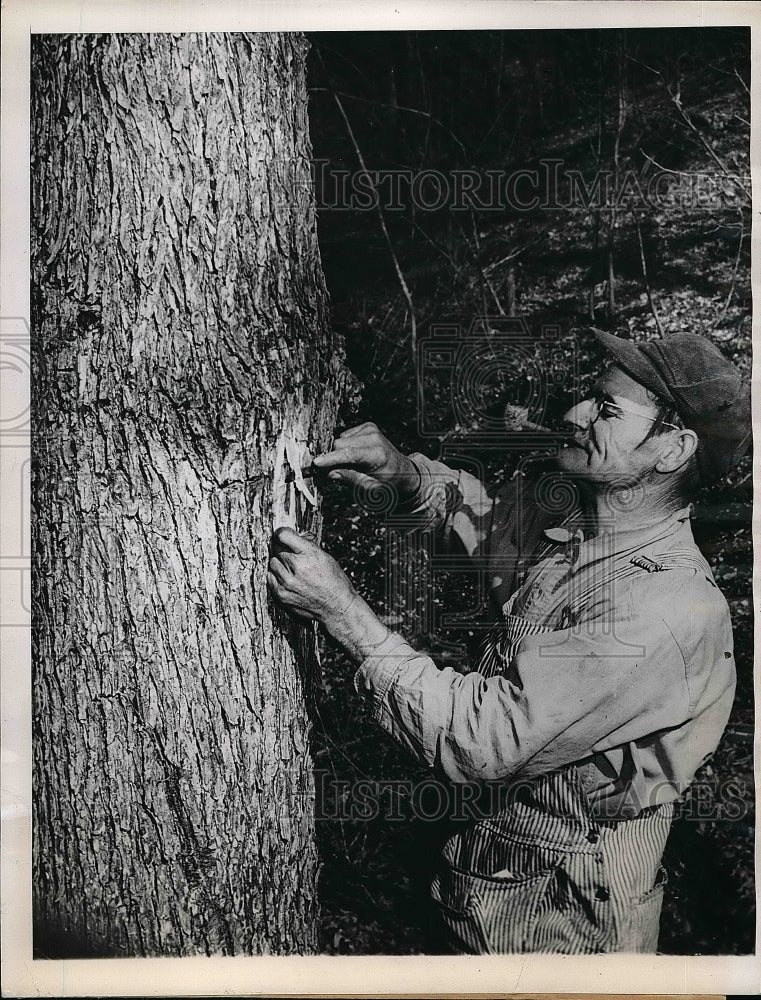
{"type": "Point", "coordinates": [651, 103]}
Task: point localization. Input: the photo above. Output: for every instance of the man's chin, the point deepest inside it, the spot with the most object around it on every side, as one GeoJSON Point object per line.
{"type": "Point", "coordinates": [572, 458]}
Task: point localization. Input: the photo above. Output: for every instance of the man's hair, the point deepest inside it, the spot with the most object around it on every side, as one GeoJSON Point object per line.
{"type": "Point", "coordinates": [688, 482]}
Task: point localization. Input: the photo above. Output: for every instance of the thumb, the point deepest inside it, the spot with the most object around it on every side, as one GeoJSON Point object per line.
{"type": "Point", "coordinates": [353, 477]}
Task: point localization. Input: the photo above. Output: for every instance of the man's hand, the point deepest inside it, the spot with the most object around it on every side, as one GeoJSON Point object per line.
{"type": "Point", "coordinates": [306, 580]}
{"type": "Point", "coordinates": [310, 584]}
{"type": "Point", "coordinates": [364, 457]}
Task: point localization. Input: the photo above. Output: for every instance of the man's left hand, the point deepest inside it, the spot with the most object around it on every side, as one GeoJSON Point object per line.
{"type": "Point", "coordinates": [306, 580]}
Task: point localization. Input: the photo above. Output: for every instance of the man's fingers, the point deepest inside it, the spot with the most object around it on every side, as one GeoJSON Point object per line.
{"type": "Point", "coordinates": [341, 465]}
{"type": "Point", "coordinates": [339, 457]}
{"type": "Point", "coordinates": [358, 431]}
{"type": "Point", "coordinates": [279, 567]}
{"type": "Point", "coordinates": [328, 460]}
{"type": "Point", "coordinates": [290, 540]}
{"type": "Point", "coordinates": [354, 478]}
{"type": "Point", "coordinates": [355, 442]}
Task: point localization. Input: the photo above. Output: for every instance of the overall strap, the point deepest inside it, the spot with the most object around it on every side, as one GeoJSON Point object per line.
{"type": "Point", "coordinates": [639, 565]}
{"type": "Point", "coordinates": [684, 558]}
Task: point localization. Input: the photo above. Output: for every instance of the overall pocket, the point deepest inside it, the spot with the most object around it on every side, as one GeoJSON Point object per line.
{"type": "Point", "coordinates": [643, 924]}
{"type": "Point", "coordinates": [492, 915]}
{"type": "Point", "coordinates": [506, 910]}
{"type": "Point", "coordinates": [452, 890]}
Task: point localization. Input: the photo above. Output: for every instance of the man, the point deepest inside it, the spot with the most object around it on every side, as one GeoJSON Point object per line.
{"type": "Point", "coordinates": [609, 676]}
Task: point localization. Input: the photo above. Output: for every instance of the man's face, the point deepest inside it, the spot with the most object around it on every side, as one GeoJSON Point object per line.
{"type": "Point", "coordinates": [609, 444]}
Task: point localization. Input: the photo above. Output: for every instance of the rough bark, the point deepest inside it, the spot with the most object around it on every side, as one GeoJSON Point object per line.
{"type": "Point", "coordinates": [182, 359]}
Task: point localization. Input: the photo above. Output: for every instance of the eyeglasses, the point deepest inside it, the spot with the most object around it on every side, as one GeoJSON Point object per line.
{"type": "Point", "coordinates": [608, 410]}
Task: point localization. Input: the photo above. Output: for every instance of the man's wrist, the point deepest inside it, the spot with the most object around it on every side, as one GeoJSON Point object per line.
{"type": "Point", "coordinates": [357, 628]}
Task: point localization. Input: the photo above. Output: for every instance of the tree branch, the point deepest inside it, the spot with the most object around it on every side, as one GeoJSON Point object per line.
{"type": "Point", "coordinates": [723, 312]}
{"type": "Point", "coordinates": [384, 227]}
{"type": "Point", "coordinates": [676, 100]}
{"type": "Point", "coordinates": [745, 86]}
{"type": "Point", "coordinates": [395, 107]}
{"type": "Point", "coordinates": [643, 262]}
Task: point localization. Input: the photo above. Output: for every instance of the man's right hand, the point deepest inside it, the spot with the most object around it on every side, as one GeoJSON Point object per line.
{"type": "Point", "coordinates": [364, 457]}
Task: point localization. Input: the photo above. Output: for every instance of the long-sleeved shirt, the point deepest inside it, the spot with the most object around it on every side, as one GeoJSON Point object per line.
{"type": "Point", "coordinates": [635, 681]}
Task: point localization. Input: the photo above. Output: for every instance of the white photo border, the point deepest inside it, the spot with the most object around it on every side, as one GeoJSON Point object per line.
{"type": "Point", "coordinates": [319, 975]}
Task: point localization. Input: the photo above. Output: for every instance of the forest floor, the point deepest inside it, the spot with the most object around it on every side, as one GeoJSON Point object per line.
{"type": "Point", "coordinates": [376, 870]}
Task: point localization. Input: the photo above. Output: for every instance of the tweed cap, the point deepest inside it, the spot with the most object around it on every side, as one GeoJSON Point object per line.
{"type": "Point", "coordinates": [706, 390]}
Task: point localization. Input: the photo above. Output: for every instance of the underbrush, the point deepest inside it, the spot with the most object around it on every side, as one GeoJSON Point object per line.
{"type": "Point", "coordinates": [676, 266]}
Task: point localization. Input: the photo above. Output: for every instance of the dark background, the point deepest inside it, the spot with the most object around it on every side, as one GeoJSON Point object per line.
{"type": "Point", "coordinates": [673, 102]}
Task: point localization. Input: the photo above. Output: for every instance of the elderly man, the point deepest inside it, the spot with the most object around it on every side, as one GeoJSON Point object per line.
{"type": "Point", "coordinates": [609, 676]}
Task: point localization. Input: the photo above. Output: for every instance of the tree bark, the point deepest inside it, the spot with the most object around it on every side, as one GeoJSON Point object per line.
{"type": "Point", "coordinates": [182, 359]}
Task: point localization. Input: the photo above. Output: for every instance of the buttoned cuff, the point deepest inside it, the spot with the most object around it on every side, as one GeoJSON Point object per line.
{"type": "Point", "coordinates": [418, 500]}
{"type": "Point", "coordinates": [377, 673]}
{"type": "Point", "coordinates": [431, 495]}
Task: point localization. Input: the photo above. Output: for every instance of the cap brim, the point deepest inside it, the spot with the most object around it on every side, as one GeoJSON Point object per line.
{"type": "Point", "coordinates": [632, 359]}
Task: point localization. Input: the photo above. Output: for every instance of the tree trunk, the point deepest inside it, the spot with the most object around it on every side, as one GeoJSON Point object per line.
{"type": "Point", "coordinates": [182, 360]}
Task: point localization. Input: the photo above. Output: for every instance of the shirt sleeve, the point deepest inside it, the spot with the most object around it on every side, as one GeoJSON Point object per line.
{"type": "Point", "coordinates": [566, 695]}
{"type": "Point", "coordinates": [451, 501]}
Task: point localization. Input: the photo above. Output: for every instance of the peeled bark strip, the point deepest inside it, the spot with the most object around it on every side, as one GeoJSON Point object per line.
{"type": "Point", "coordinates": [182, 358]}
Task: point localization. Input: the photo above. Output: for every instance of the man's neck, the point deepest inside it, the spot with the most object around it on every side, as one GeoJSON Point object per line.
{"type": "Point", "coordinates": [616, 510]}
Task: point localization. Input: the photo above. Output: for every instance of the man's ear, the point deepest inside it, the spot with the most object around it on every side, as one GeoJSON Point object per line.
{"type": "Point", "coordinates": [678, 450]}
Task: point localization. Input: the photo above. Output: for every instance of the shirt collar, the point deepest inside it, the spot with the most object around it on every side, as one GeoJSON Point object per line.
{"type": "Point", "coordinates": [607, 541]}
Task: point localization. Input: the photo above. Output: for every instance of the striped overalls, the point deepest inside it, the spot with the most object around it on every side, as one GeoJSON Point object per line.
{"type": "Point", "coordinates": [544, 873]}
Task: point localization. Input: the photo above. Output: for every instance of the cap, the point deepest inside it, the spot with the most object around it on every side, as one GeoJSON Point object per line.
{"type": "Point", "coordinates": [705, 388]}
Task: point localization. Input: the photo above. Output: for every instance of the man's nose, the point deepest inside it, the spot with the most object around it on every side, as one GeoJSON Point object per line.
{"type": "Point", "coordinates": [580, 416]}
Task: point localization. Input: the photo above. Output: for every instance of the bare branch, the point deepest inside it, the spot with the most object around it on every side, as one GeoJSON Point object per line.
{"type": "Point", "coordinates": [745, 86]}
{"type": "Point", "coordinates": [643, 262]}
{"type": "Point", "coordinates": [676, 100]}
{"type": "Point", "coordinates": [395, 107]}
{"type": "Point", "coordinates": [397, 268]}
{"type": "Point", "coordinates": [723, 312]}
{"type": "Point", "coordinates": [503, 260]}
{"type": "Point", "coordinates": [655, 163]}
{"type": "Point", "coordinates": [477, 257]}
